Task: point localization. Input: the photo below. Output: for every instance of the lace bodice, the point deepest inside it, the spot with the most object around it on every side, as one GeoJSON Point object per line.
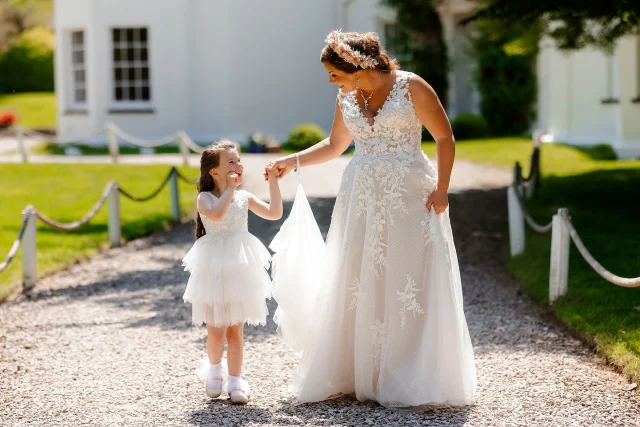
{"type": "Point", "coordinates": [396, 128]}
{"type": "Point", "coordinates": [235, 220]}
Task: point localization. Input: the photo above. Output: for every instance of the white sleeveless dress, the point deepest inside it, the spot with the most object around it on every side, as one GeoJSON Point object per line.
{"type": "Point", "coordinates": [388, 323]}
{"type": "Point", "coordinates": [229, 283]}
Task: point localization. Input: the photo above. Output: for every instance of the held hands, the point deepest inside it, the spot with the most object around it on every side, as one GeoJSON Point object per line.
{"type": "Point", "coordinates": [438, 200]}
{"type": "Point", "coordinates": [270, 173]}
{"type": "Point", "coordinates": [280, 168]}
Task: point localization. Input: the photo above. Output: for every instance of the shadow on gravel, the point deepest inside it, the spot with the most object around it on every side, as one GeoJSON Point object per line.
{"type": "Point", "coordinates": [345, 411]}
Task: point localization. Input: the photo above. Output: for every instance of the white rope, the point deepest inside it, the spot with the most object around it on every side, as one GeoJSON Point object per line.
{"type": "Point", "coordinates": [541, 229]}
{"type": "Point", "coordinates": [141, 142]}
{"type": "Point", "coordinates": [186, 140]}
{"type": "Point", "coordinates": [49, 138]}
{"type": "Point", "coordinates": [16, 243]}
{"type": "Point", "coordinates": [597, 267]}
{"type": "Point", "coordinates": [77, 224]}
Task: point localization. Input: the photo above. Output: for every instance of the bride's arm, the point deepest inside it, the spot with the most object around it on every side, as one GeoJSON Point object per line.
{"type": "Point", "coordinates": [434, 118]}
{"type": "Point", "coordinates": [325, 150]}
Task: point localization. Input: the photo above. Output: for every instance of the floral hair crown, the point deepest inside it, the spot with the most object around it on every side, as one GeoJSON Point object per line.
{"type": "Point", "coordinates": [335, 40]}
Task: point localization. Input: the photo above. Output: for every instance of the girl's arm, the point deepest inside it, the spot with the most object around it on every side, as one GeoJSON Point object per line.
{"type": "Point", "coordinates": [214, 207]}
{"type": "Point", "coordinates": [325, 150]}
{"type": "Point", "coordinates": [433, 117]}
{"type": "Point", "coordinates": [273, 210]}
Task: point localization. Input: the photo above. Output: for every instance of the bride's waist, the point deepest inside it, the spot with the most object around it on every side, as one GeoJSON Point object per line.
{"type": "Point", "coordinates": [389, 156]}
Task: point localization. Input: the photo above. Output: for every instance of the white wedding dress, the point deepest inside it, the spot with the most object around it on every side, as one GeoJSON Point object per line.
{"type": "Point", "coordinates": [384, 317]}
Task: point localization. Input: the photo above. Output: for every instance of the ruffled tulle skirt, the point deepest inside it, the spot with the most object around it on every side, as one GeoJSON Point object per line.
{"type": "Point", "coordinates": [229, 283]}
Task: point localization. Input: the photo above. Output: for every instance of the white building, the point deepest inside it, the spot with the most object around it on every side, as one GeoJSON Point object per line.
{"type": "Point", "coordinates": [223, 68]}
{"type": "Point", "coordinates": [588, 97]}
{"type": "Point", "coordinates": [228, 68]}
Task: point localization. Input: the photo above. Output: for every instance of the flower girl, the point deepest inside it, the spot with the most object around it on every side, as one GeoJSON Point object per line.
{"type": "Point", "coordinates": [229, 282]}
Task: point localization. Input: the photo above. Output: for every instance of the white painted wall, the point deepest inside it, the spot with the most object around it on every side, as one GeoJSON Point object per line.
{"type": "Point", "coordinates": [224, 68]}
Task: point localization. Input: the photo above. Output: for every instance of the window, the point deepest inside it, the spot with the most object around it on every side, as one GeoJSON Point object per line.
{"type": "Point", "coordinates": [131, 67]}
{"type": "Point", "coordinates": [78, 71]}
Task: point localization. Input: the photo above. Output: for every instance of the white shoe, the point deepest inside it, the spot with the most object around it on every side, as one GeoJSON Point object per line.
{"type": "Point", "coordinates": [238, 390]}
{"type": "Point", "coordinates": [215, 381]}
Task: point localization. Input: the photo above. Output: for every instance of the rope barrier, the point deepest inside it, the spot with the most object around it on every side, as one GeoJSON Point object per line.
{"type": "Point", "coordinates": [595, 265]}
{"type": "Point", "coordinates": [77, 224]}
{"type": "Point", "coordinates": [153, 194]}
{"type": "Point", "coordinates": [141, 142]}
{"type": "Point", "coordinates": [186, 140]}
{"type": "Point", "coordinates": [49, 138]}
{"type": "Point", "coordinates": [541, 229]}
{"type": "Point", "coordinates": [184, 178]}
{"type": "Point", "coordinates": [16, 244]}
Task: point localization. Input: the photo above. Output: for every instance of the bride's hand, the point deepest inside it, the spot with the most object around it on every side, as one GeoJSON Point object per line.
{"type": "Point", "coordinates": [283, 166]}
{"type": "Point", "coordinates": [438, 200]}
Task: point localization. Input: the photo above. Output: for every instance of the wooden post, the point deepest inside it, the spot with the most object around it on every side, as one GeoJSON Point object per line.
{"type": "Point", "coordinates": [184, 150]}
{"type": "Point", "coordinates": [29, 249]}
{"type": "Point", "coordinates": [559, 271]}
{"type": "Point", "coordinates": [516, 223]}
{"type": "Point", "coordinates": [174, 194]}
{"type": "Point", "coordinates": [112, 140]}
{"type": "Point", "coordinates": [21, 146]}
{"type": "Point", "coordinates": [114, 216]}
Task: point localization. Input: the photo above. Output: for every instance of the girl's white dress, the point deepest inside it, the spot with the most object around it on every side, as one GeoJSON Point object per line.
{"type": "Point", "coordinates": [229, 283]}
{"type": "Point", "coordinates": [383, 317]}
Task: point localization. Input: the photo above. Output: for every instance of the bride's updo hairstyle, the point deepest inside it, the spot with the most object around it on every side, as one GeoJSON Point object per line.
{"type": "Point", "coordinates": [346, 50]}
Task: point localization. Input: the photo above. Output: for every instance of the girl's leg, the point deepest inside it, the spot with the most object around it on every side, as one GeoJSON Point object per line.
{"type": "Point", "coordinates": [235, 347]}
{"type": "Point", "coordinates": [215, 344]}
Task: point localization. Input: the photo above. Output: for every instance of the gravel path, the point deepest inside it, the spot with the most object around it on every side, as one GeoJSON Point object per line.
{"type": "Point", "coordinates": [109, 342]}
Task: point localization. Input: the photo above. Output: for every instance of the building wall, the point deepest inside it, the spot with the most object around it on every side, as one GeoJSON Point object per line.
{"type": "Point", "coordinates": [218, 69]}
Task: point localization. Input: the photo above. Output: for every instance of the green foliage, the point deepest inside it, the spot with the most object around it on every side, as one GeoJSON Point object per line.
{"type": "Point", "coordinates": [506, 75]}
{"type": "Point", "coordinates": [27, 66]}
{"type": "Point", "coordinates": [469, 126]}
{"type": "Point", "coordinates": [304, 136]}
{"type": "Point", "coordinates": [600, 152]}
{"type": "Point", "coordinates": [417, 40]}
{"type": "Point", "coordinates": [573, 24]}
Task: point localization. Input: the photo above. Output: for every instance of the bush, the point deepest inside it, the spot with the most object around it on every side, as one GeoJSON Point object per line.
{"type": "Point", "coordinates": [304, 136]}
{"type": "Point", "coordinates": [601, 152]}
{"type": "Point", "coordinates": [27, 66]}
{"type": "Point", "coordinates": [469, 126]}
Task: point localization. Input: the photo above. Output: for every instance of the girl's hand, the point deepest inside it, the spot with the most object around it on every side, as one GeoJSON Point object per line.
{"type": "Point", "coordinates": [282, 166]}
{"type": "Point", "coordinates": [438, 200]}
{"type": "Point", "coordinates": [233, 180]}
{"type": "Point", "coordinates": [271, 173]}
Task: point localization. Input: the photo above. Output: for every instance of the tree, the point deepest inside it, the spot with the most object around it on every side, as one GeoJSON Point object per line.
{"type": "Point", "coordinates": [573, 24]}
{"type": "Point", "coordinates": [418, 42]}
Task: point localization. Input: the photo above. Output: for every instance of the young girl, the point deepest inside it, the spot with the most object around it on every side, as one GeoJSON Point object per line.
{"type": "Point", "coordinates": [229, 281]}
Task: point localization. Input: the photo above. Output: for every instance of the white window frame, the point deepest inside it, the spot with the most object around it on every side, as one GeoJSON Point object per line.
{"type": "Point", "coordinates": [137, 65]}
{"type": "Point", "coordinates": [611, 74]}
{"type": "Point", "coordinates": [73, 84]}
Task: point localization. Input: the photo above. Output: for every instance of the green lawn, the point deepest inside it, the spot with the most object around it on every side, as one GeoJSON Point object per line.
{"type": "Point", "coordinates": [88, 150]}
{"type": "Point", "coordinates": [65, 193]}
{"type": "Point", "coordinates": [601, 196]}
{"type": "Point", "coordinates": [35, 110]}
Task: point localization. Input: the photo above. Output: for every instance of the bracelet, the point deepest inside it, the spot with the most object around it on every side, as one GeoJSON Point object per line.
{"type": "Point", "coordinates": [297, 162]}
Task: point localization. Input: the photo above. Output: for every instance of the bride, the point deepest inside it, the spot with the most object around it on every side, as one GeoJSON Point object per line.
{"type": "Point", "coordinates": [390, 325]}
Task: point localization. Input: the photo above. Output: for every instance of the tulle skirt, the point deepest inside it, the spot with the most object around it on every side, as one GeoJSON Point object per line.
{"type": "Point", "coordinates": [229, 283]}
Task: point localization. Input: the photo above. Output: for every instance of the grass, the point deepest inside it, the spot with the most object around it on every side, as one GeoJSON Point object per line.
{"type": "Point", "coordinates": [601, 196]}
{"type": "Point", "coordinates": [35, 110]}
{"type": "Point", "coordinates": [66, 193]}
{"type": "Point", "coordinates": [88, 150]}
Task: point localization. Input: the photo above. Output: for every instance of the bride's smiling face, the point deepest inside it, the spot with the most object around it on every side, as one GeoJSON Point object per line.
{"type": "Point", "coordinates": [345, 81]}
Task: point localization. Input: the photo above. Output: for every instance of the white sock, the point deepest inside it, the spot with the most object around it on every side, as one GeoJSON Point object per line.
{"type": "Point", "coordinates": [216, 370]}
{"type": "Point", "coordinates": [233, 381]}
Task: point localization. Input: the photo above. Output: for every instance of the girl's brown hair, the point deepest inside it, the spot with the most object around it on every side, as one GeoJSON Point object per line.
{"type": "Point", "coordinates": [366, 43]}
{"type": "Point", "coordinates": [210, 159]}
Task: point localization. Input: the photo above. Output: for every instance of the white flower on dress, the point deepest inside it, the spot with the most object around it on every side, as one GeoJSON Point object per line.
{"type": "Point", "coordinates": [428, 230]}
{"type": "Point", "coordinates": [408, 300]}
{"type": "Point", "coordinates": [377, 339]}
{"type": "Point", "coordinates": [355, 294]}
